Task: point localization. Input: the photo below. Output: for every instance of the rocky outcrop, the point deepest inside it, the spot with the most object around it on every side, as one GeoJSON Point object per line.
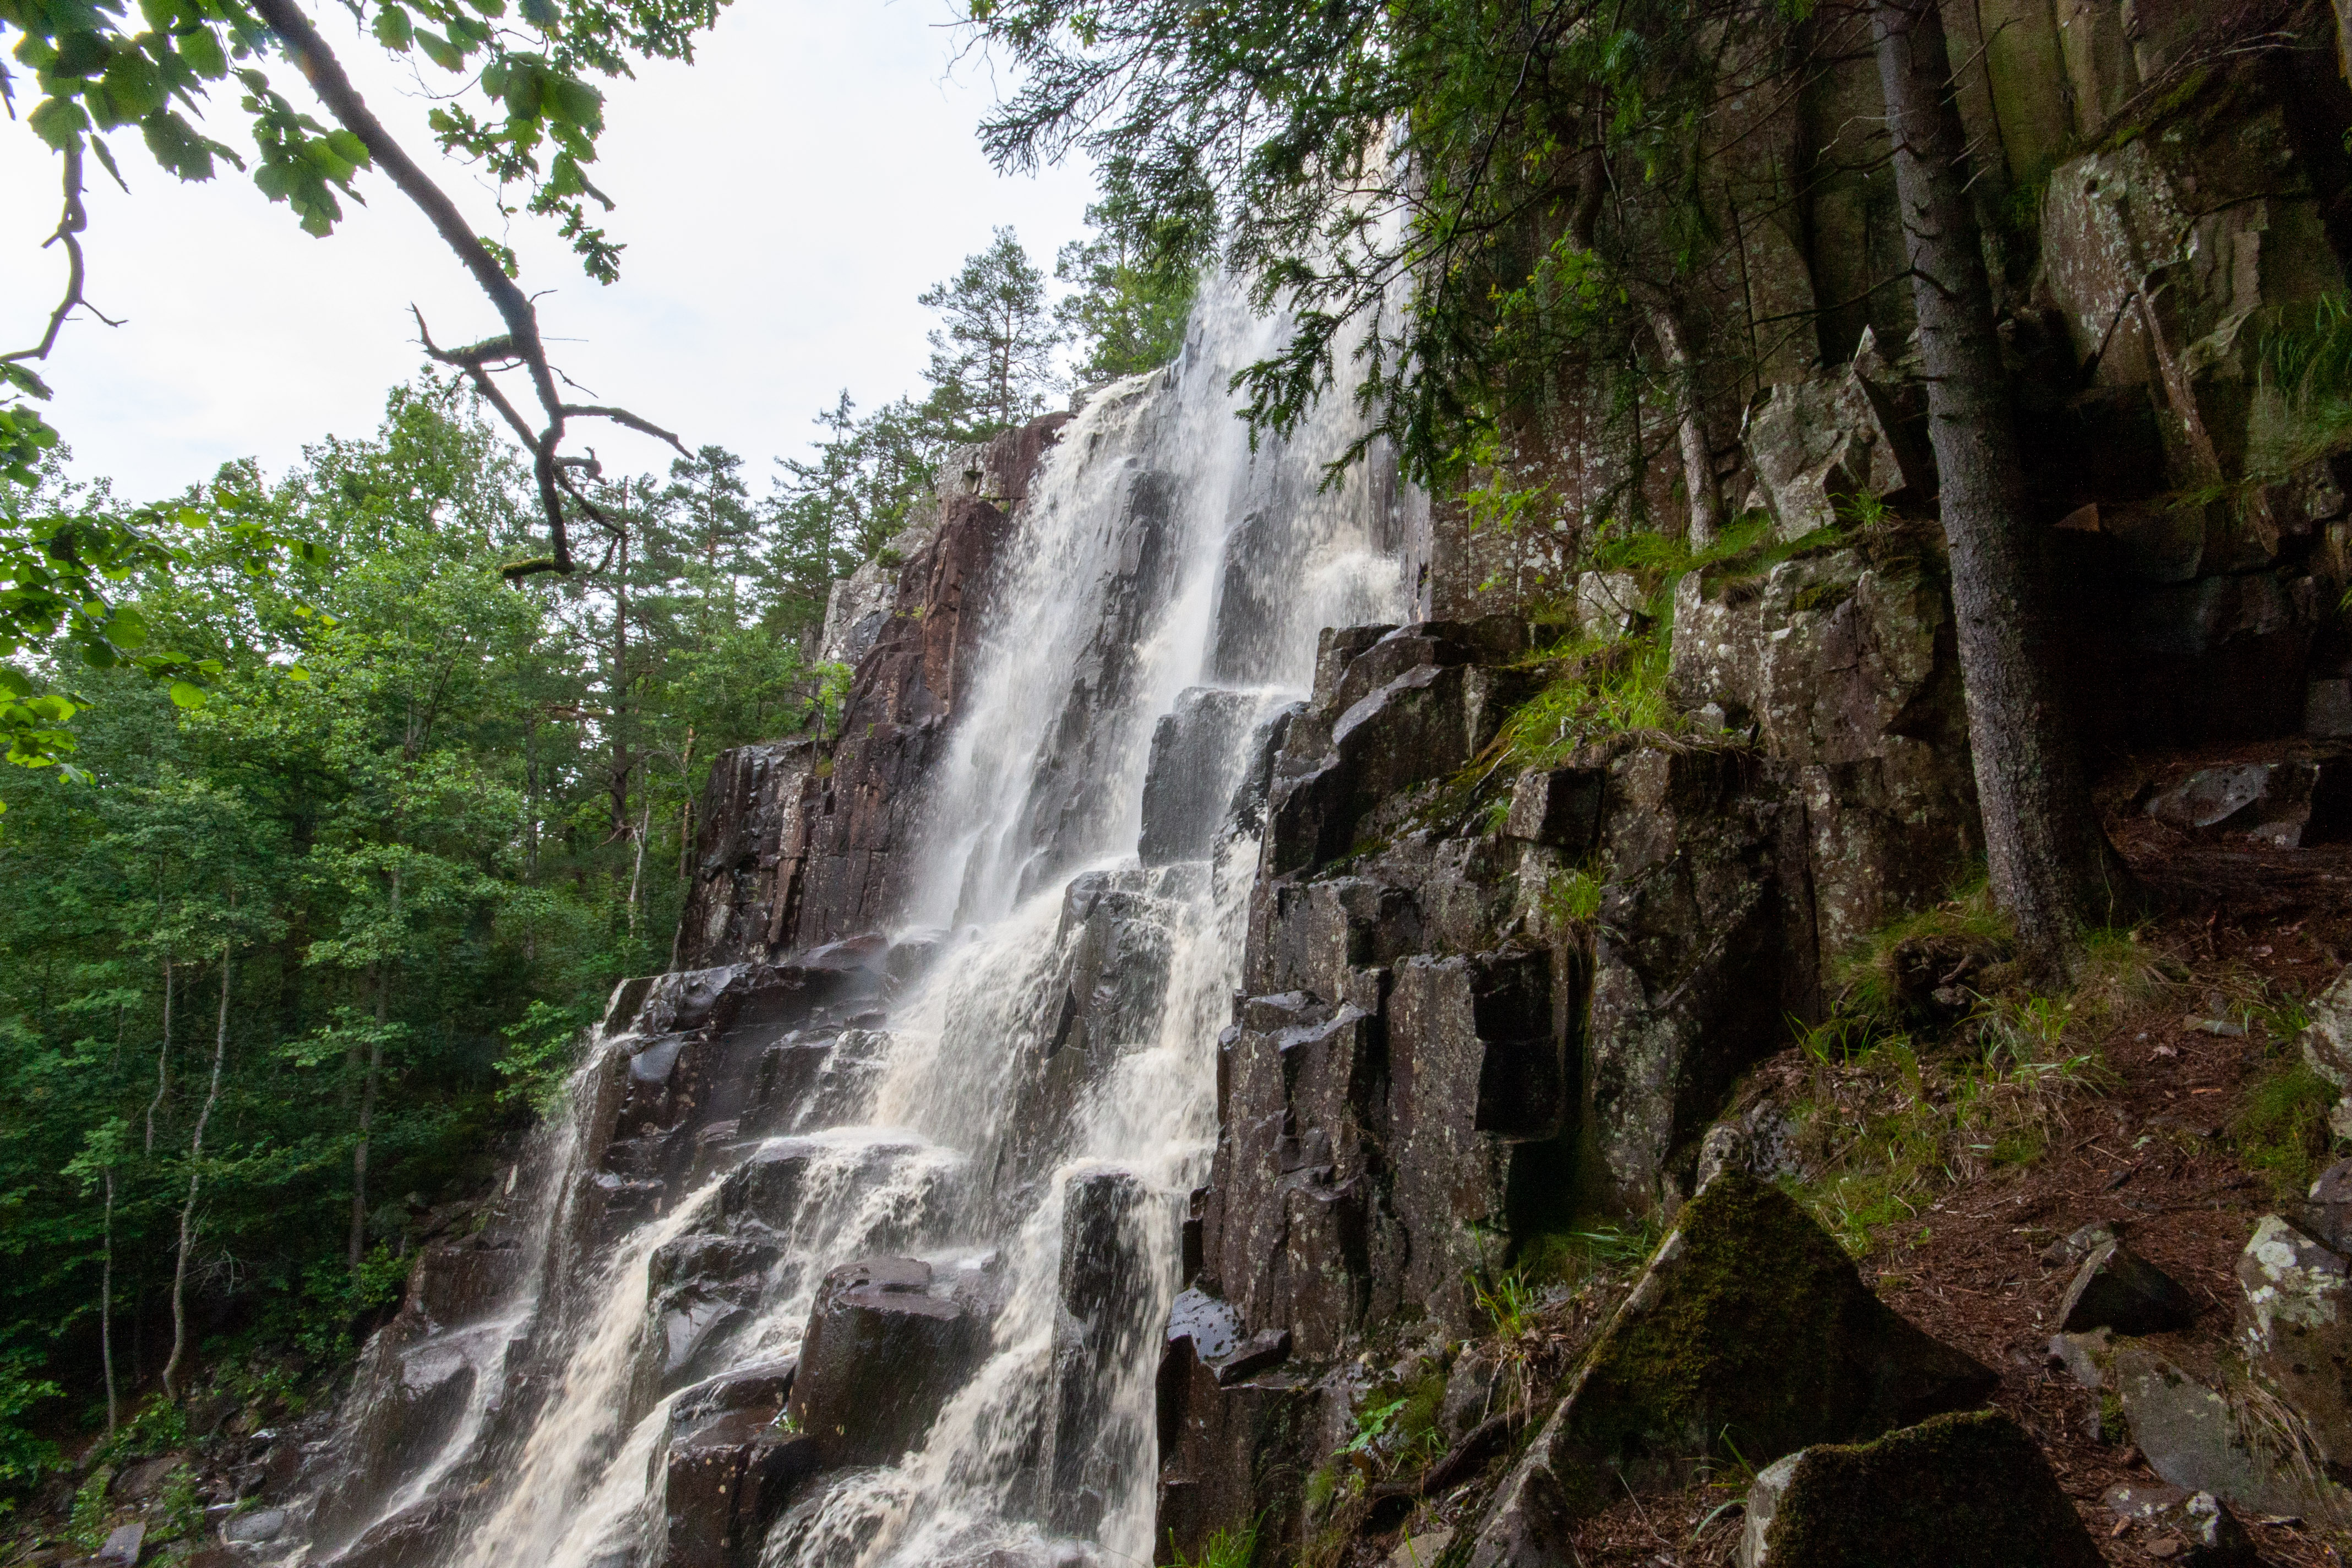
{"type": "Point", "coordinates": [746, 854]}
{"type": "Point", "coordinates": [800, 844]}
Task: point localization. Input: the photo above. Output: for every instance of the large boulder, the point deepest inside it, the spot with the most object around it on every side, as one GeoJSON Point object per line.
{"type": "Point", "coordinates": [888, 1344]}
{"type": "Point", "coordinates": [1749, 1333]}
{"type": "Point", "coordinates": [1961, 1491]}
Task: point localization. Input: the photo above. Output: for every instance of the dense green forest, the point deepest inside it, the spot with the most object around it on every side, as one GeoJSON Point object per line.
{"type": "Point", "coordinates": [299, 947]}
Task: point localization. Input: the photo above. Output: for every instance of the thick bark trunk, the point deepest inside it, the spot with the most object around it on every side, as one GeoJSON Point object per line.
{"type": "Point", "coordinates": [188, 1209]}
{"type": "Point", "coordinates": [2053, 869]}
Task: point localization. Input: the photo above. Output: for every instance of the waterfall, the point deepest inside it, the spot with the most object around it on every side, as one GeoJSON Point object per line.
{"type": "Point", "coordinates": [1025, 1097]}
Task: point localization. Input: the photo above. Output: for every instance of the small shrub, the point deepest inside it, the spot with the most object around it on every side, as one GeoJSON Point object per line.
{"type": "Point", "coordinates": [85, 1526]}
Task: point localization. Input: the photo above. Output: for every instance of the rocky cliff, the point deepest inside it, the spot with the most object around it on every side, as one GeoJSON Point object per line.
{"type": "Point", "coordinates": [1505, 1217]}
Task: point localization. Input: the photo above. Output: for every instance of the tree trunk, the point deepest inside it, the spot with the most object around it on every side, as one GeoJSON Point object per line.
{"type": "Point", "coordinates": [1690, 424]}
{"type": "Point", "coordinates": [2053, 869]}
{"type": "Point", "coordinates": [106, 1305]}
{"type": "Point", "coordinates": [357, 1247]}
{"type": "Point", "coordinates": [162, 1058]}
{"type": "Point", "coordinates": [188, 1209]}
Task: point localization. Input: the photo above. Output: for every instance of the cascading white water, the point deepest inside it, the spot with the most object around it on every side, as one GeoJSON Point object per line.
{"type": "Point", "coordinates": [1162, 594]}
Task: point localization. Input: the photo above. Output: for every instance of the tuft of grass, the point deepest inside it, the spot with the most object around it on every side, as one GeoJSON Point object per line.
{"type": "Point", "coordinates": [1572, 898]}
{"type": "Point", "coordinates": [1883, 983]}
{"type": "Point", "coordinates": [1599, 690]}
{"type": "Point", "coordinates": [2280, 1130]}
{"type": "Point", "coordinates": [1891, 1125]}
{"type": "Point", "coordinates": [1225, 1549]}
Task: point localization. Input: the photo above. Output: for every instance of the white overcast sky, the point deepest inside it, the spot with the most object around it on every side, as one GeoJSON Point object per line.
{"type": "Point", "coordinates": [783, 200]}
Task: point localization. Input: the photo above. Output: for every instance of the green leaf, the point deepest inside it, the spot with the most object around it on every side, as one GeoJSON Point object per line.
{"type": "Point", "coordinates": [126, 627]}
{"type": "Point", "coordinates": [394, 30]}
{"type": "Point", "coordinates": [439, 50]}
{"type": "Point", "coordinates": [348, 147]}
{"type": "Point", "coordinates": [544, 15]}
{"type": "Point", "coordinates": [571, 99]}
{"type": "Point", "coordinates": [81, 53]}
{"type": "Point", "coordinates": [59, 121]}
{"type": "Point", "coordinates": [202, 50]}
{"type": "Point", "coordinates": [186, 695]}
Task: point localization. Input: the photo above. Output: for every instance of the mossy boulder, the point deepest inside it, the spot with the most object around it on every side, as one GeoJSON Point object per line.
{"type": "Point", "coordinates": [1749, 1337]}
{"type": "Point", "coordinates": [1752, 1326]}
{"type": "Point", "coordinates": [1961, 1491]}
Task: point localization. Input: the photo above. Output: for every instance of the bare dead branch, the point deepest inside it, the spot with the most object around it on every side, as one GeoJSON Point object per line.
{"type": "Point", "coordinates": [70, 224]}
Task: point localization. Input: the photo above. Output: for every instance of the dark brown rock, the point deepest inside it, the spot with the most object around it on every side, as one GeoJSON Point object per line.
{"type": "Point", "coordinates": [2117, 1289]}
{"type": "Point", "coordinates": [886, 1347]}
{"type": "Point", "coordinates": [731, 1469]}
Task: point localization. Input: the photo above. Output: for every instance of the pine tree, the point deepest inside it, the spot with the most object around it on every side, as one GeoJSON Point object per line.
{"type": "Point", "coordinates": [993, 354]}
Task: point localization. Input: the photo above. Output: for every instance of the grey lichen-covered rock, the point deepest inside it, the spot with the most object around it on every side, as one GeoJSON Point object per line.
{"type": "Point", "coordinates": [2327, 1045]}
{"type": "Point", "coordinates": [1691, 976]}
{"type": "Point", "coordinates": [2199, 1439]}
{"type": "Point", "coordinates": [886, 1346]}
{"type": "Point", "coordinates": [2294, 1323]}
{"type": "Point", "coordinates": [1815, 444]}
{"type": "Point", "coordinates": [1961, 1491]}
{"type": "Point", "coordinates": [2117, 1289]}
{"type": "Point", "coordinates": [1609, 604]}
{"type": "Point", "coordinates": [1558, 807]}
{"type": "Point", "coordinates": [1749, 1330]}
{"type": "Point", "coordinates": [1843, 663]}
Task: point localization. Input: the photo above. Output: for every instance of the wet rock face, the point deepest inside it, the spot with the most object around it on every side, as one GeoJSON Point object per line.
{"type": "Point", "coordinates": [1390, 713]}
{"type": "Point", "coordinates": [1372, 1148]}
{"type": "Point", "coordinates": [887, 1344]}
{"type": "Point", "coordinates": [1100, 1328]}
{"type": "Point", "coordinates": [1972, 1492]}
{"type": "Point", "coordinates": [1228, 1450]}
{"type": "Point", "coordinates": [749, 831]}
{"type": "Point", "coordinates": [1189, 784]}
{"type": "Point", "coordinates": [731, 1467]}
